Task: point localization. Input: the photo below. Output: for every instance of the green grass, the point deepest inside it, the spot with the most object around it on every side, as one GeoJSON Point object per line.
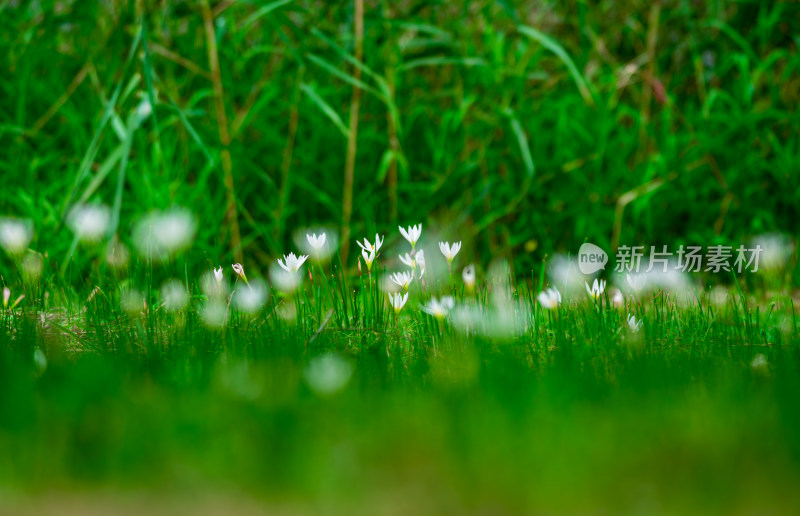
{"type": "Point", "coordinates": [522, 125]}
{"type": "Point", "coordinates": [570, 413]}
{"type": "Point", "coordinates": [522, 129]}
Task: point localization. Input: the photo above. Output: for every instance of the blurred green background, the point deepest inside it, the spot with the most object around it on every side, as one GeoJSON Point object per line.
{"type": "Point", "coordinates": [519, 127]}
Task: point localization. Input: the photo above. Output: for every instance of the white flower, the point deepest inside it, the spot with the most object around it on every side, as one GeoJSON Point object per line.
{"type": "Point", "coordinates": [617, 298]}
{"type": "Point", "coordinates": [468, 275]}
{"type": "Point", "coordinates": [419, 257]}
{"type": "Point", "coordinates": [15, 235]}
{"type": "Point", "coordinates": [366, 246]}
{"type": "Point", "coordinates": [398, 300]}
{"type": "Point", "coordinates": [402, 279]}
{"type": "Point", "coordinates": [549, 298]}
{"type": "Point", "coordinates": [292, 263]}
{"type": "Point", "coordinates": [597, 289]}
{"type": "Point", "coordinates": [316, 241]}
{"type": "Point", "coordinates": [368, 258]}
{"type": "Point", "coordinates": [412, 234]}
{"type": "Point", "coordinates": [218, 274]}
{"type": "Point", "coordinates": [633, 324]}
{"type": "Point", "coordinates": [6, 296]}
{"type": "Point", "coordinates": [439, 308]}
{"type": "Point", "coordinates": [408, 260]}
{"type": "Point", "coordinates": [89, 222]}
{"type": "Point", "coordinates": [448, 251]}
{"type": "Point", "coordinates": [636, 282]}
{"type": "Point", "coordinates": [239, 270]}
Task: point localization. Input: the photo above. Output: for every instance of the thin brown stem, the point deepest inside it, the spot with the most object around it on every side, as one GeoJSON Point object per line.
{"type": "Point", "coordinates": [350, 163]}
{"type": "Point", "coordinates": [286, 161]}
{"type": "Point", "coordinates": [231, 216]}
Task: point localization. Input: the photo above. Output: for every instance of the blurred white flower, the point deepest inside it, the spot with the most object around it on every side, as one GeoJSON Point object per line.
{"type": "Point", "coordinates": [439, 308]}
{"type": "Point", "coordinates": [214, 313]}
{"type": "Point", "coordinates": [549, 298]}
{"type": "Point", "coordinates": [597, 289]}
{"type": "Point", "coordinates": [565, 273]}
{"type": "Point", "coordinates": [39, 361]}
{"type": "Point", "coordinates": [131, 301]}
{"type": "Point", "coordinates": [292, 263]}
{"type": "Point", "coordinates": [319, 243]}
{"type": "Point", "coordinates": [759, 363]}
{"type": "Point", "coordinates": [398, 301]}
{"type": "Point", "coordinates": [366, 246]}
{"type": "Point", "coordinates": [32, 267]}
{"type": "Point", "coordinates": [251, 300]}
{"type": "Point", "coordinates": [283, 280]}
{"type": "Point", "coordinates": [316, 241]}
{"type": "Point", "coordinates": [15, 235]}
{"type": "Point", "coordinates": [412, 234]}
{"type": "Point", "coordinates": [6, 296]}
{"type": "Point", "coordinates": [468, 275]}
{"type": "Point", "coordinates": [89, 222]}
{"type": "Point", "coordinates": [776, 250]}
{"type": "Point", "coordinates": [402, 279]}
{"type": "Point", "coordinates": [162, 234]}
{"type": "Point", "coordinates": [636, 281]}
{"type": "Point", "coordinates": [328, 373]}
{"type": "Point", "coordinates": [419, 257]}
{"type": "Point", "coordinates": [617, 299]}
{"type": "Point", "coordinates": [211, 286]}
{"type": "Point", "coordinates": [144, 109]}
{"type": "Point", "coordinates": [117, 254]}
{"type": "Point", "coordinates": [174, 296]}
{"type": "Point", "coordinates": [633, 324]}
{"type": "Point", "coordinates": [449, 251]}
{"type": "Point", "coordinates": [501, 318]}
{"type": "Point", "coordinates": [218, 274]}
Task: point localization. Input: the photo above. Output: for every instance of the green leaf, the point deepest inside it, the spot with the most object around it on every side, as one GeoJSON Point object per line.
{"type": "Point", "coordinates": [325, 108]}
{"type": "Point", "coordinates": [552, 45]}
